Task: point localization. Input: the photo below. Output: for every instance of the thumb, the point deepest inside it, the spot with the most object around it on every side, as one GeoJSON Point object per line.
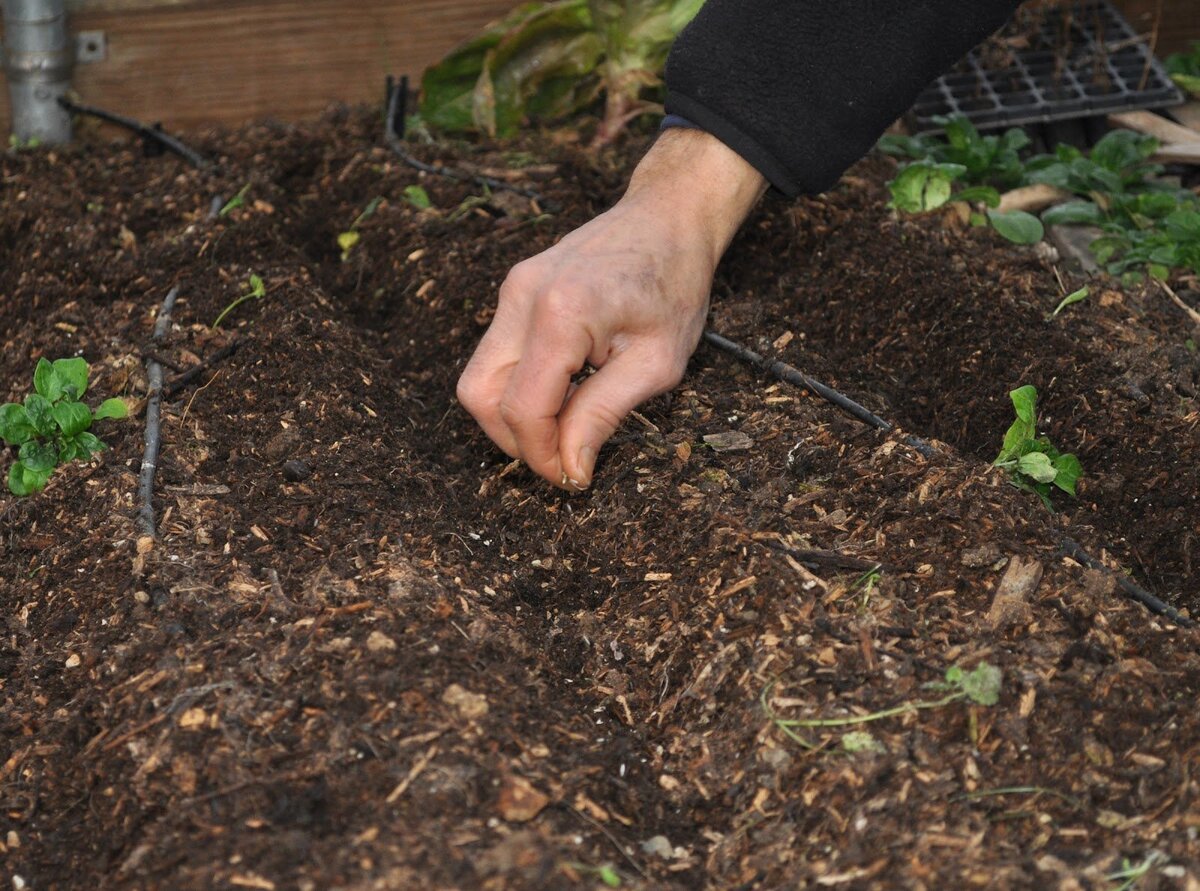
{"type": "Point", "coordinates": [598, 407]}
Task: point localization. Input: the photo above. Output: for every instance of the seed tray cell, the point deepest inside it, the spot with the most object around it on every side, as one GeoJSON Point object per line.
{"type": "Point", "coordinates": [1081, 61]}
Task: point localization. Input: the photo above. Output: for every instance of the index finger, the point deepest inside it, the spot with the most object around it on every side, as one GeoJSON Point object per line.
{"type": "Point", "coordinates": [554, 351]}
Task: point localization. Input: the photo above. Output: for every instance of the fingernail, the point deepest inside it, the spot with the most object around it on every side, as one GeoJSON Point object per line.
{"type": "Point", "coordinates": [587, 460]}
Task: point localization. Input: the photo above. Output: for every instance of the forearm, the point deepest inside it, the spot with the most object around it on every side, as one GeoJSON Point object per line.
{"type": "Point", "coordinates": [804, 89]}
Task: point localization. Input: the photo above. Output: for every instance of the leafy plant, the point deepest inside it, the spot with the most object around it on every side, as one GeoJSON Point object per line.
{"type": "Point", "coordinates": [257, 291]}
{"type": "Point", "coordinates": [53, 426]}
{"type": "Point", "coordinates": [986, 160]}
{"type": "Point", "coordinates": [981, 685]}
{"type": "Point", "coordinates": [1119, 163]}
{"type": "Point", "coordinates": [548, 60]}
{"type": "Point", "coordinates": [926, 185]}
{"type": "Point", "coordinates": [1032, 462]}
{"type": "Point", "coordinates": [1184, 69]}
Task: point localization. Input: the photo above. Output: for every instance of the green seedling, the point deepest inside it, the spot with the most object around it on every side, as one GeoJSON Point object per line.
{"type": "Point", "coordinates": [926, 185]}
{"type": "Point", "coordinates": [417, 197]}
{"type": "Point", "coordinates": [1032, 462]}
{"type": "Point", "coordinates": [257, 291]}
{"type": "Point", "coordinates": [986, 160]}
{"type": "Point", "coordinates": [981, 685]}
{"type": "Point", "coordinates": [606, 873]}
{"type": "Point", "coordinates": [349, 239]}
{"type": "Point", "coordinates": [238, 200]}
{"type": "Point", "coordinates": [23, 145]}
{"type": "Point", "coordinates": [53, 426]}
{"type": "Point", "coordinates": [1130, 873]}
{"type": "Point", "coordinates": [1071, 299]}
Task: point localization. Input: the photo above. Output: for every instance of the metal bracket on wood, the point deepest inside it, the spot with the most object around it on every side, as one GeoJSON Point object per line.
{"type": "Point", "coordinates": [91, 46]}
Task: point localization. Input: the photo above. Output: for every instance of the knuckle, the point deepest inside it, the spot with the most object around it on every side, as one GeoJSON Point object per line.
{"type": "Point", "coordinates": [521, 281]}
{"type": "Point", "coordinates": [512, 412]}
{"type": "Point", "coordinates": [664, 374]}
{"type": "Point", "coordinates": [470, 391]}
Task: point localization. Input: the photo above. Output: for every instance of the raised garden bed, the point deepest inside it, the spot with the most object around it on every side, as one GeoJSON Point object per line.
{"type": "Point", "coordinates": [368, 652]}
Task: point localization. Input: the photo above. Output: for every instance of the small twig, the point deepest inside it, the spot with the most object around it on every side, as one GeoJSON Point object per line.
{"type": "Point", "coordinates": [186, 378]}
{"type": "Point", "coordinates": [168, 141]}
{"type": "Point", "coordinates": [397, 146]}
{"type": "Point", "coordinates": [153, 421]}
{"type": "Point", "coordinates": [421, 762]}
{"type": "Point", "coordinates": [1191, 313]}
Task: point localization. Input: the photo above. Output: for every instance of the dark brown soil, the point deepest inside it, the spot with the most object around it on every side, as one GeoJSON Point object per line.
{"type": "Point", "coordinates": [405, 663]}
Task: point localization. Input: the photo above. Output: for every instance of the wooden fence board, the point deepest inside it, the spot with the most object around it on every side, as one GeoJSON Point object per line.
{"type": "Point", "coordinates": [189, 64]}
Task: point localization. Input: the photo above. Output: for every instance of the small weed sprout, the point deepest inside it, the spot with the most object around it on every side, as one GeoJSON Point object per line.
{"type": "Point", "coordinates": [257, 291]}
{"type": "Point", "coordinates": [53, 426]}
{"type": "Point", "coordinates": [1032, 462]}
{"type": "Point", "coordinates": [1072, 298]}
{"type": "Point", "coordinates": [981, 685]}
{"type": "Point", "coordinates": [1130, 873]}
{"type": "Point", "coordinates": [349, 239]}
{"type": "Point", "coordinates": [238, 200]}
{"type": "Point", "coordinates": [606, 874]}
{"type": "Point", "coordinates": [17, 144]}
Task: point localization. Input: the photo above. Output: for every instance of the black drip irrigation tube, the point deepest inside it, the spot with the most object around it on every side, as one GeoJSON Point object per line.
{"type": "Point", "coordinates": [794, 376]}
{"type": "Point", "coordinates": [394, 132]}
{"type": "Point", "coordinates": [150, 135]}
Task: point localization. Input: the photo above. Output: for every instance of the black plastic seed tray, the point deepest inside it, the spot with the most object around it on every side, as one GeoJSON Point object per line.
{"type": "Point", "coordinates": [1078, 61]}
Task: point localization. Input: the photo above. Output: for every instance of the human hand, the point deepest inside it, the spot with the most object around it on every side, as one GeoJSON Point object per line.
{"type": "Point", "coordinates": [626, 293]}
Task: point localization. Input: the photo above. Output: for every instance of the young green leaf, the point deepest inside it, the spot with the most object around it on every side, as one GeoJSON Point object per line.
{"type": "Point", "coordinates": [72, 417]}
{"type": "Point", "coordinates": [1037, 466]}
{"type": "Point", "coordinates": [1074, 213]}
{"type": "Point", "coordinates": [40, 413]}
{"type": "Point", "coordinates": [257, 287]}
{"type": "Point", "coordinates": [1072, 298]}
{"type": "Point", "coordinates": [90, 443]}
{"type": "Point", "coordinates": [1017, 226]}
{"type": "Point", "coordinates": [347, 241]}
{"type": "Point", "coordinates": [1068, 470]}
{"type": "Point", "coordinates": [38, 456]}
{"type": "Point", "coordinates": [857, 741]}
{"type": "Point", "coordinates": [1024, 400]}
{"type": "Point", "coordinates": [238, 200]}
{"type": "Point", "coordinates": [73, 375]}
{"type": "Point", "coordinates": [417, 197]}
{"type": "Point", "coordinates": [23, 482]}
{"type": "Point", "coordinates": [115, 408]}
{"type": "Point", "coordinates": [981, 684]}
{"type": "Point", "coordinates": [45, 382]}
{"type": "Point", "coordinates": [15, 426]}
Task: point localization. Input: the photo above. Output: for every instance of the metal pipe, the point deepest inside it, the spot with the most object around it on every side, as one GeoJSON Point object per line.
{"type": "Point", "coordinates": [38, 57]}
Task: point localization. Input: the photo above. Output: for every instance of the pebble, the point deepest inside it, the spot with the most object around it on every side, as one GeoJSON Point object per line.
{"type": "Point", "coordinates": [296, 471]}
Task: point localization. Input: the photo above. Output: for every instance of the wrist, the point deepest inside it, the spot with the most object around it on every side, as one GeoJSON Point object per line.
{"type": "Point", "coordinates": [693, 181]}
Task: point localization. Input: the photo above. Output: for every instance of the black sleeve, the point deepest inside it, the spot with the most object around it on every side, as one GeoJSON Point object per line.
{"type": "Point", "coordinates": [803, 88]}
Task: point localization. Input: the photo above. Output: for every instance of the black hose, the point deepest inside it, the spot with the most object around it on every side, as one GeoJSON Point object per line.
{"type": "Point", "coordinates": [166, 140]}
{"type": "Point", "coordinates": [396, 144]}
{"type": "Point", "coordinates": [788, 374]}
{"type": "Point", "coordinates": [798, 378]}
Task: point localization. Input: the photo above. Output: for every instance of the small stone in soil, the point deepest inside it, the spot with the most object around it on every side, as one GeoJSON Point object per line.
{"type": "Point", "coordinates": [296, 471]}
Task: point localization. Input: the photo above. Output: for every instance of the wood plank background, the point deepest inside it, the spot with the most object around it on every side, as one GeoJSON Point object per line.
{"type": "Point", "coordinates": [190, 63]}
